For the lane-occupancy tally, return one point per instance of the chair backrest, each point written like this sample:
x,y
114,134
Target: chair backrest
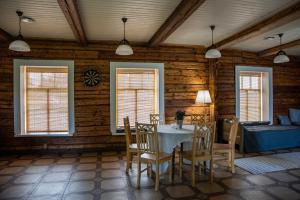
x,y
203,138
199,119
233,131
154,119
147,138
128,134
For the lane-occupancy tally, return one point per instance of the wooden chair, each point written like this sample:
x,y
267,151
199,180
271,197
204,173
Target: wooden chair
x,y
148,151
155,119
199,118
229,148
131,148
202,149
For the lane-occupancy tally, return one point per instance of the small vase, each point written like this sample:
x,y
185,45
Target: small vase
x,y
179,123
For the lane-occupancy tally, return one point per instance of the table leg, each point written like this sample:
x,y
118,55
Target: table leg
x,y
173,164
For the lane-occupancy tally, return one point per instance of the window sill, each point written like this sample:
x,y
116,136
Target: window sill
x,y
45,134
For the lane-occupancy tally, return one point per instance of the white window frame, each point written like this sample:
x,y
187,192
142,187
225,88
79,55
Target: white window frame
x,y
18,83
113,67
238,70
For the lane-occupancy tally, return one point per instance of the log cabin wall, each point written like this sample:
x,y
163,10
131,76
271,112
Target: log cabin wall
x,y
186,71
286,82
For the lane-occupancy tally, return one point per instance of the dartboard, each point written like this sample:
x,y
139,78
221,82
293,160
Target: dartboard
x,y
91,78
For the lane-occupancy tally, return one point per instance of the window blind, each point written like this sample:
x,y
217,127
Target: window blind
x,y
46,99
136,95
250,96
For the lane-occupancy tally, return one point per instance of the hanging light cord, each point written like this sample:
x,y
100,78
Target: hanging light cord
x,y
20,27
212,35
124,30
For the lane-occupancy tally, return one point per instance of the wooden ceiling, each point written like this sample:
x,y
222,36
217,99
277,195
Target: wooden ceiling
x,y
240,24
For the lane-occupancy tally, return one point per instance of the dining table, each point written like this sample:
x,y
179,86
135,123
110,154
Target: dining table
x,y
170,136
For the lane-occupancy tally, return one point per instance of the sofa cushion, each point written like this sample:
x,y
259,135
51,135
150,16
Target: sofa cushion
x,y
296,123
294,115
284,120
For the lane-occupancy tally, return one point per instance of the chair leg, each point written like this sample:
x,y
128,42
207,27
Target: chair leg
x,y
229,159
139,175
180,166
211,170
171,171
127,161
131,158
150,170
232,162
199,166
193,174
157,177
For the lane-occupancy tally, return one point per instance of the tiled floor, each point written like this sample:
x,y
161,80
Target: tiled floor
x,y
96,175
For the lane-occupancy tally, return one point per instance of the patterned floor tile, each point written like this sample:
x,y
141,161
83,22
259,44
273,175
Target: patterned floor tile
x,y
84,175
283,176
28,178
121,195
79,197
284,193
209,188
236,183
17,191
56,177
113,184
100,175
81,186
260,180
50,189
255,194
180,191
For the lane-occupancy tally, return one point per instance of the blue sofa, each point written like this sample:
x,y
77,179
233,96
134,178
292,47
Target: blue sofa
x,y
270,137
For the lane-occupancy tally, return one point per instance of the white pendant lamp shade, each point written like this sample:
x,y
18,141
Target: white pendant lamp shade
x,y
124,49
19,45
212,51
281,56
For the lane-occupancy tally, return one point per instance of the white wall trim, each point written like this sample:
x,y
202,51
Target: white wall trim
x,y
17,85
113,66
240,68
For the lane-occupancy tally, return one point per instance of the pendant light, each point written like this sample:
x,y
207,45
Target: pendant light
x,y
212,51
281,56
124,48
19,44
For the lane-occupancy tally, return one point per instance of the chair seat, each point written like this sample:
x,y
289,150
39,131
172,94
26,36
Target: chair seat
x,y
162,156
133,146
219,146
205,155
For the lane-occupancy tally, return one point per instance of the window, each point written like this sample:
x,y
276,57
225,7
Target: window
x,y
43,99
136,90
254,93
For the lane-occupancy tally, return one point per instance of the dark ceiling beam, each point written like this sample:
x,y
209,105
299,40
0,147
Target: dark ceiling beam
x,y
182,12
273,50
71,12
5,36
281,18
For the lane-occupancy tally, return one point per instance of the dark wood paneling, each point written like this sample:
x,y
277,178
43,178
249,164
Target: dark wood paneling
x,y
186,71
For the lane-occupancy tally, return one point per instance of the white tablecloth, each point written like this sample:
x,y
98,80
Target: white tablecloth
x,y
170,137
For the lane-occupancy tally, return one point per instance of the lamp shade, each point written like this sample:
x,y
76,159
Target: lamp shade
x,y
203,96
19,45
124,50
213,53
281,57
